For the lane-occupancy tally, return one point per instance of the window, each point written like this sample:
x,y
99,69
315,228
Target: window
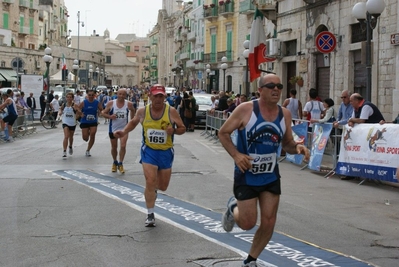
x,y
127,48
290,48
31,46
358,34
108,59
31,25
229,46
3,64
5,21
136,48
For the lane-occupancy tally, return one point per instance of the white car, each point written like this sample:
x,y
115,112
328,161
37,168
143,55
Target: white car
x,y
170,90
204,103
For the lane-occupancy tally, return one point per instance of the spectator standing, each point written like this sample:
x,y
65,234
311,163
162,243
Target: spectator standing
x,y
193,105
77,97
55,106
232,105
257,182
328,104
185,103
43,103
363,111
345,110
31,101
222,104
50,96
160,122
294,106
313,108
118,112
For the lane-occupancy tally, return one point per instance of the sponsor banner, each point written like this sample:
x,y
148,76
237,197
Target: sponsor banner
x,y
321,134
370,151
300,134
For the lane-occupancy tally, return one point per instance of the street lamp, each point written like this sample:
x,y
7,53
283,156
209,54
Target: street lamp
x,y
174,78
101,77
208,70
98,74
224,67
75,68
368,13
90,75
47,58
77,51
246,55
181,75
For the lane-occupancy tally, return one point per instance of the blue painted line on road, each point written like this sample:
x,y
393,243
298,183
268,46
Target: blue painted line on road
x,y
281,250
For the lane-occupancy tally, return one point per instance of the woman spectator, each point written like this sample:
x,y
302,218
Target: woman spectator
x,y
328,104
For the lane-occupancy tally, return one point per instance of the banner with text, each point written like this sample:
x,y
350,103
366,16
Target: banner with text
x,y
370,151
300,133
321,134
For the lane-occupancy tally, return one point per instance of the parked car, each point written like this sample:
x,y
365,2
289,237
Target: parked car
x,y
170,90
204,103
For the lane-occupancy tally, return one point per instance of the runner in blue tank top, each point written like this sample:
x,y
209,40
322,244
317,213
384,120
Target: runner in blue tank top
x,y
261,127
90,108
12,114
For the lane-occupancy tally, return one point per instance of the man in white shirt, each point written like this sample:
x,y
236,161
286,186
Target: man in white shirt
x,y
55,106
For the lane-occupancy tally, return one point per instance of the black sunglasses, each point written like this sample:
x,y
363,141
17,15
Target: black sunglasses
x,y
273,85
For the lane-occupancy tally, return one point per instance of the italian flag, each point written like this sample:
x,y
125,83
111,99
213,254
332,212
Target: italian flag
x,y
257,46
45,85
63,63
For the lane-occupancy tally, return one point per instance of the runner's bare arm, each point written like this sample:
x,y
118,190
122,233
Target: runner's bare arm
x,y
138,118
175,117
107,109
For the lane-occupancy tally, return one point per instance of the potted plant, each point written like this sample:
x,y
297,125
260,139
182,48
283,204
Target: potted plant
x,y
212,5
227,1
206,6
296,80
221,3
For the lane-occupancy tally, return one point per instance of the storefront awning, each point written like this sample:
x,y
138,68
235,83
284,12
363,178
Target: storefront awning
x,y
9,75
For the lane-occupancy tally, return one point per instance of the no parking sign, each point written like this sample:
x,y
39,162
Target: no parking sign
x,y
326,42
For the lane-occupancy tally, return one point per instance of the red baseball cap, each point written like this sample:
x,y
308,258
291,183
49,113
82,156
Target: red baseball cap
x,y
157,89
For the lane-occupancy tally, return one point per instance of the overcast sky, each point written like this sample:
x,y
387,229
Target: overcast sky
x,y
118,16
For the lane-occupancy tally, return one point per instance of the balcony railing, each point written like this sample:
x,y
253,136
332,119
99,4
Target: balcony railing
x,y
267,4
210,58
24,3
154,55
191,36
24,30
226,9
247,7
211,13
190,64
184,55
33,6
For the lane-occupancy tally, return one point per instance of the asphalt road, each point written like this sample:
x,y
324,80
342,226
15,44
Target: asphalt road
x,y
48,220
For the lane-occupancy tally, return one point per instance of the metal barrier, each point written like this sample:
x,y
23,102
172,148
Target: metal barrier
x,y
214,121
23,125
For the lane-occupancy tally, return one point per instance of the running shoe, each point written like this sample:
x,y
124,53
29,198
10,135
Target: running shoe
x,y
10,139
70,150
64,155
150,222
120,168
88,153
228,218
249,264
114,167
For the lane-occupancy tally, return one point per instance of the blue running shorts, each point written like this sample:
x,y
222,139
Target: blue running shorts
x,y
161,158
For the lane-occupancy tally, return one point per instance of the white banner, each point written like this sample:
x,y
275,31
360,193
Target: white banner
x,y
370,151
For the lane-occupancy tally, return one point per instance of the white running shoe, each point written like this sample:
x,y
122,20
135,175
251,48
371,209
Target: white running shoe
x,y
88,153
150,221
228,218
64,155
249,264
70,150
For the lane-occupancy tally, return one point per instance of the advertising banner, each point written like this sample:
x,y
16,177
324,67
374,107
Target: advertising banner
x,y
370,151
300,134
321,134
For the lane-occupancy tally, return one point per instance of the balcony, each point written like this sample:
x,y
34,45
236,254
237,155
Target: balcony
x,y
64,34
268,8
191,36
227,54
211,13
33,6
24,30
154,66
24,3
247,7
227,9
147,57
199,66
41,15
210,58
154,55
154,42
184,55
178,38
8,1
190,64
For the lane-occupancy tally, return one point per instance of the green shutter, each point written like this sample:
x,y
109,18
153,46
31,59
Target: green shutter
x,y
229,47
5,21
31,24
21,23
213,48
